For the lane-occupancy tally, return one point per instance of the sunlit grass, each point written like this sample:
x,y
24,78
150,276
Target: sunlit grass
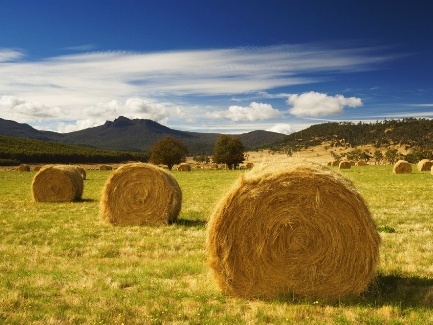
x,y
60,264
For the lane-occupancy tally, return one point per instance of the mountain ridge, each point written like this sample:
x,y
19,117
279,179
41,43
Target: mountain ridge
x,y
134,135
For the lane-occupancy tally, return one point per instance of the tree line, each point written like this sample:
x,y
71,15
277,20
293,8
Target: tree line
x,y
167,151
15,150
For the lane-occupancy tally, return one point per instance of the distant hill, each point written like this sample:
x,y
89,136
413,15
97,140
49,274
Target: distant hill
x,y
134,135
408,132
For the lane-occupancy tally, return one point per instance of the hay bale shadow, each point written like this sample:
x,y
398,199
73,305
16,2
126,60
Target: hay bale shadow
x,y
190,223
385,290
405,291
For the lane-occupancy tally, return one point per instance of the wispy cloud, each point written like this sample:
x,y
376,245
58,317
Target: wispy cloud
x,y
73,86
10,55
81,48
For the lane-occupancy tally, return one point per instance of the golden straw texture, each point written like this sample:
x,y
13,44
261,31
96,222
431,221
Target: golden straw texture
x,y
424,165
82,171
57,183
402,167
344,165
140,194
292,228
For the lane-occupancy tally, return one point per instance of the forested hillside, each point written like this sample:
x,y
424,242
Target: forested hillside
x,y
15,150
410,132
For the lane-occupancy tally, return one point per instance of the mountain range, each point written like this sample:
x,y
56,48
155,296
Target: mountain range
x,y
134,135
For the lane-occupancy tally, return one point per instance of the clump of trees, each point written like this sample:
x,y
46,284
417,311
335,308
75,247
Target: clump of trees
x,y
168,151
229,150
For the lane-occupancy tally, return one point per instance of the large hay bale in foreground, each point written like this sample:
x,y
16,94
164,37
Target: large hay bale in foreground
x,y
402,167
57,183
345,165
140,194
292,228
424,165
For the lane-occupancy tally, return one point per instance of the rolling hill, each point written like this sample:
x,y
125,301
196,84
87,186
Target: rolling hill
x,y
134,135
411,133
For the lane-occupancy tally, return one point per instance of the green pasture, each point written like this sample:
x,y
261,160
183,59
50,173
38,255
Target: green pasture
x,y
59,264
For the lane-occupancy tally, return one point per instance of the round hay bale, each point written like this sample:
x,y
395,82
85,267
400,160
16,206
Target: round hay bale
x,y
424,165
57,183
249,165
345,165
292,228
361,163
37,168
140,194
24,168
336,163
402,167
105,167
82,171
184,167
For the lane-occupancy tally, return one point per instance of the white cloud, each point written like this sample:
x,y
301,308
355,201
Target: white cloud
x,y
281,128
78,125
7,55
21,110
314,104
253,112
132,108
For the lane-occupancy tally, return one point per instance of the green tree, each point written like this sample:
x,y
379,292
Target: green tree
x,y
168,151
228,150
378,156
391,155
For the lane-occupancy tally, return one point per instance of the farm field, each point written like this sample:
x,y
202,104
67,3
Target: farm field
x,y
59,264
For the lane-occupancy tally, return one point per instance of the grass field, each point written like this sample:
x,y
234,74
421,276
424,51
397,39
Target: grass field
x,y
59,264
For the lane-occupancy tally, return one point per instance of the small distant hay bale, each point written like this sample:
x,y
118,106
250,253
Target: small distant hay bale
x,y
57,183
184,167
402,167
249,165
292,228
361,163
37,168
345,165
105,167
213,166
82,171
24,168
140,194
336,163
424,165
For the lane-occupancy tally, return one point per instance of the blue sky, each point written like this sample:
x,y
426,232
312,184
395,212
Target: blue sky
x,y
215,66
